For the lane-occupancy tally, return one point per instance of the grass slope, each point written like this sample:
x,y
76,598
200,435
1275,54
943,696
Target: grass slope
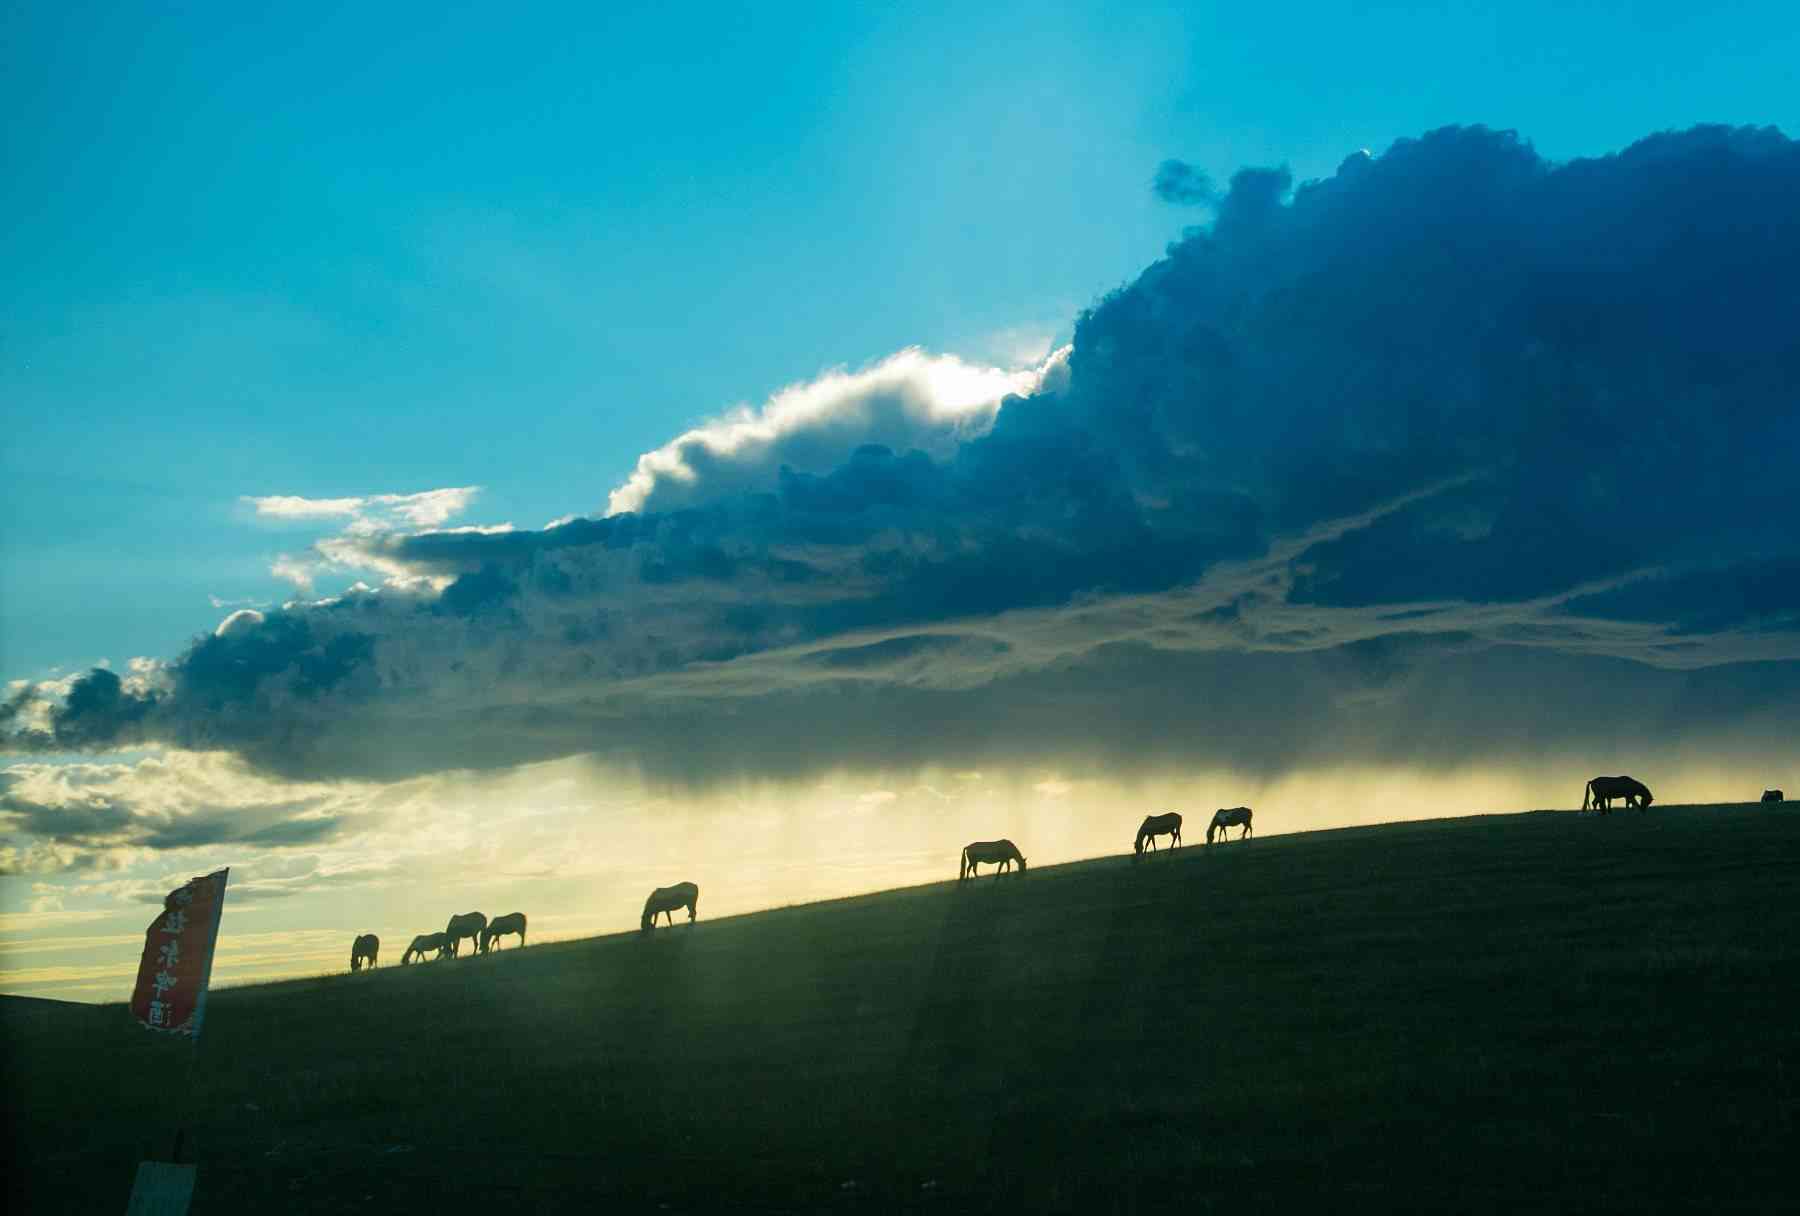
x,y
1538,1011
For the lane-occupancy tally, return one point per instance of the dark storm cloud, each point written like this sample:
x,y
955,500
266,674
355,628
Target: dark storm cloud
x,y
1179,182
1403,464
99,712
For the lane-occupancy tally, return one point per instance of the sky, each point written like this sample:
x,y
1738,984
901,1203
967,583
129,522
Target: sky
x,y
459,463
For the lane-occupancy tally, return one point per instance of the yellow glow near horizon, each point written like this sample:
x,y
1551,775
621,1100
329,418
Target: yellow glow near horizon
x,y
577,848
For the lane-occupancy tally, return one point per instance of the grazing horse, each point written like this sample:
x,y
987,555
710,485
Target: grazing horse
x,y
1158,825
1228,817
666,899
469,925
500,926
421,944
1773,796
1602,790
1001,852
364,949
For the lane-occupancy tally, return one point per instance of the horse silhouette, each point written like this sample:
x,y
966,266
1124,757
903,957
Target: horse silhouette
x,y
666,899
1602,790
500,926
469,925
1229,817
1003,853
423,943
1158,825
364,949
1773,796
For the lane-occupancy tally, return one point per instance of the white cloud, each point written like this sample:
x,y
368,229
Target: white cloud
x,y
370,512
910,400
365,553
428,508
292,506
477,530
369,519
241,621
297,571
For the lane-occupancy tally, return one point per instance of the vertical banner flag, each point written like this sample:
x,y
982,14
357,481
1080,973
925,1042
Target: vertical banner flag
x,y
178,956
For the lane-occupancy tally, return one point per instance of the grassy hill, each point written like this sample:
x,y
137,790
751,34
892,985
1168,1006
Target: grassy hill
x,y
1541,1010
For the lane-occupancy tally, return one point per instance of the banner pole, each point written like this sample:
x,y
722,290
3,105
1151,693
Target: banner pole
x,y
187,1100
189,1097
166,1188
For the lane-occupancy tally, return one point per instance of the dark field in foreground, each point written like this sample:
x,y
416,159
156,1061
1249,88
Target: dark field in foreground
x,y
1531,1011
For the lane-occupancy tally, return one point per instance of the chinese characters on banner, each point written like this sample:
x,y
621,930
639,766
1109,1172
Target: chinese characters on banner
x,y
178,956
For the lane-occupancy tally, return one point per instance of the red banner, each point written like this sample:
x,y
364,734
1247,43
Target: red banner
x,y
178,956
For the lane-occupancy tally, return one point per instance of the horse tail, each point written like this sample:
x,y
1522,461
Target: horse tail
x,y
1586,793
962,870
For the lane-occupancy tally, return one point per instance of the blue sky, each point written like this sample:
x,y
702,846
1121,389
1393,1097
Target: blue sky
x,y
1407,473
342,252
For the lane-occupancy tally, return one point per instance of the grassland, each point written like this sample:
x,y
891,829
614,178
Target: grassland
x,y
1538,1011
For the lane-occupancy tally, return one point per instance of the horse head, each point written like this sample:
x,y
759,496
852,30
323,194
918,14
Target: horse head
x,y
1021,859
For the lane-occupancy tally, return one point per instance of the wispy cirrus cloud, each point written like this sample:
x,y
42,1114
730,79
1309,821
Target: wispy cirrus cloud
x,y
424,509
291,506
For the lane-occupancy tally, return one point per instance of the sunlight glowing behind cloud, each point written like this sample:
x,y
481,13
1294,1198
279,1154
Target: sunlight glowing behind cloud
x,y
909,401
243,620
